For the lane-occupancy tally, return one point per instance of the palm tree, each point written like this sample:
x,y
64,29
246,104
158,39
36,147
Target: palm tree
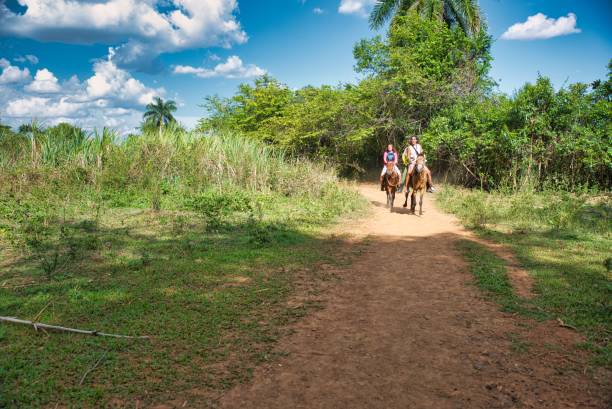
x,y
160,112
464,13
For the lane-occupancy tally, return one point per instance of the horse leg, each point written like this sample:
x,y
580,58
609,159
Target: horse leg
x,y
407,187
413,202
392,200
421,203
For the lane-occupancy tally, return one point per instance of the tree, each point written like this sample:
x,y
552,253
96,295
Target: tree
x,y
250,111
160,113
462,13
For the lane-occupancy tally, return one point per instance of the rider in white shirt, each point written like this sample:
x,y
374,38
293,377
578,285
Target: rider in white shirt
x,y
410,155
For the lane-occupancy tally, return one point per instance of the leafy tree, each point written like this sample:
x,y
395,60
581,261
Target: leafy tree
x,y
160,112
462,13
539,136
251,110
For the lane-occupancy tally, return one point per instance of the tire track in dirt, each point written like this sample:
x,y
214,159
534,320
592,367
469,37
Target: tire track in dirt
x,y
404,328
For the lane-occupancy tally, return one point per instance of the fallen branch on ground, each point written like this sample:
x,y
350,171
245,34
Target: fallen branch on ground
x,y
564,325
92,368
38,325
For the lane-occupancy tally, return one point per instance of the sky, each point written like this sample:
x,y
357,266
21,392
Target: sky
x,y
98,63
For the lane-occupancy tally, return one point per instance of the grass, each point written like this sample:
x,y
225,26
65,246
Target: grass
x,y
562,245
213,301
164,239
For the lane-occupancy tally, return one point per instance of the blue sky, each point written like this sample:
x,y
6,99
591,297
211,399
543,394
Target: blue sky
x,y
98,62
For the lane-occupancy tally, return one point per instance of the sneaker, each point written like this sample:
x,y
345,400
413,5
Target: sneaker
x,y
431,189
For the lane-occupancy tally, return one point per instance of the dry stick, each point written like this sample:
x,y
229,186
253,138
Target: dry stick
x,y
564,325
37,316
92,368
38,325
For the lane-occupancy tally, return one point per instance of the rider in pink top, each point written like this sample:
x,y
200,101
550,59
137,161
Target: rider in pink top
x,y
390,156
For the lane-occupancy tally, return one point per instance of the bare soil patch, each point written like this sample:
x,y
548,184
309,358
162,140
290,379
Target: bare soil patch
x,y
404,328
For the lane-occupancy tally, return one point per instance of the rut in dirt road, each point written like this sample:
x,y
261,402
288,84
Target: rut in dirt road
x,y
404,328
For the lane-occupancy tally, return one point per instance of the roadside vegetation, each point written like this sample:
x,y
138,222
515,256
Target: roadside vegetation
x,y
198,238
563,240
195,240
539,160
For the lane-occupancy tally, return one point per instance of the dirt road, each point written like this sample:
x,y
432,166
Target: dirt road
x,y
405,328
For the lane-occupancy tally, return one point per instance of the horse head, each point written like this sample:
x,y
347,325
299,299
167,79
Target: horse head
x,y
420,163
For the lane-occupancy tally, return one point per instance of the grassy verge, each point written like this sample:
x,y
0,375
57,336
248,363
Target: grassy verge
x,y
563,241
165,239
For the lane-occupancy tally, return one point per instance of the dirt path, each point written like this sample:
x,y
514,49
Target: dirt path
x,y
404,328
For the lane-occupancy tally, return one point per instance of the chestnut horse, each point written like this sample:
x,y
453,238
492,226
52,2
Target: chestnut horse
x,y
391,181
418,182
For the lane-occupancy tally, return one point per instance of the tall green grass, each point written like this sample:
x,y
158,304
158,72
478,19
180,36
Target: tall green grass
x,y
197,239
190,159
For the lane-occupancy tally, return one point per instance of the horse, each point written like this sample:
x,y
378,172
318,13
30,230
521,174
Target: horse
x,y
418,182
391,181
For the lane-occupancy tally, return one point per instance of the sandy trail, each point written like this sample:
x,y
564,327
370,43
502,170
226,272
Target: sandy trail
x,y
404,328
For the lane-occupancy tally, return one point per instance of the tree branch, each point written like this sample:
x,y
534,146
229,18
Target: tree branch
x,y
38,325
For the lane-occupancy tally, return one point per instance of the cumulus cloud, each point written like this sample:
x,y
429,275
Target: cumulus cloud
x,y
44,82
110,97
110,81
39,107
539,26
142,29
359,7
233,67
32,59
12,74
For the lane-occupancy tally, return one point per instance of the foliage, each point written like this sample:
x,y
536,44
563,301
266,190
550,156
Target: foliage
x,y
464,14
159,113
207,273
419,69
539,136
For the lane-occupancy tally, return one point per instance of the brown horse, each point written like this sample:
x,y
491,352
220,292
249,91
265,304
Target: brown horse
x,y
391,181
418,182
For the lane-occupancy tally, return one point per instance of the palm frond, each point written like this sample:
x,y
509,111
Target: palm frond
x,y
382,11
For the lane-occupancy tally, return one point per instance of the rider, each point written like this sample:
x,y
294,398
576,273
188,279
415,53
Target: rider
x,y
390,156
410,155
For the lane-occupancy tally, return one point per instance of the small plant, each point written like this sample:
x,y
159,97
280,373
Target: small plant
x,y
563,210
156,199
215,205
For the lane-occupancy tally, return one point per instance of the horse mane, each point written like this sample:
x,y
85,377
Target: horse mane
x,y
419,178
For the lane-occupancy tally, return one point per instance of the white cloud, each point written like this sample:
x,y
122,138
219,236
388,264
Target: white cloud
x,y
37,107
12,74
144,30
539,27
233,67
359,7
32,59
44,82
318,10
109,97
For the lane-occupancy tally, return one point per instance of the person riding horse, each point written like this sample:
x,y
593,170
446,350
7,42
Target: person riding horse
x,y
409,157
418,182
389,157
392,179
